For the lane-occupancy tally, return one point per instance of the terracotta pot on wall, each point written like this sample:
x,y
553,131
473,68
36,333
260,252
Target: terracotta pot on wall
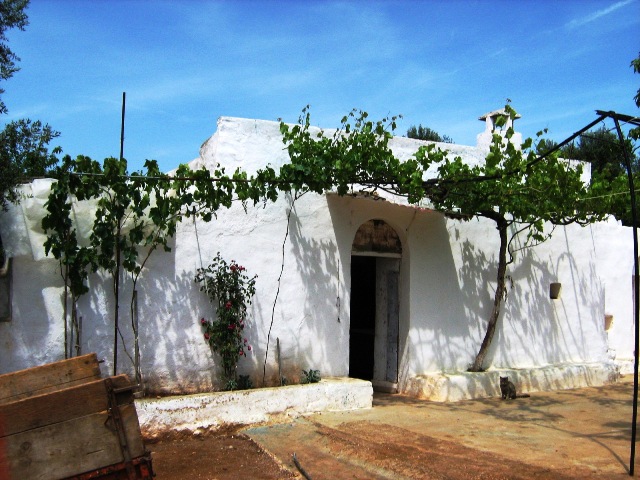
x,y
554,290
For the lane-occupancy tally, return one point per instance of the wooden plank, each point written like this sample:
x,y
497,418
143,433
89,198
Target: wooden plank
x,y
393,325
68,448
48,378
42,410
132,430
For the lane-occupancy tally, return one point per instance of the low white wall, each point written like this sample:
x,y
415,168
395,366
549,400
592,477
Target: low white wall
x,y
469,385
196,414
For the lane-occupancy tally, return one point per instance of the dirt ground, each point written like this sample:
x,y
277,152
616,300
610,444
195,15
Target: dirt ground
x,y
582,433
220,456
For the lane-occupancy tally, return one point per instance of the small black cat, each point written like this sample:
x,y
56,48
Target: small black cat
x,y
508,390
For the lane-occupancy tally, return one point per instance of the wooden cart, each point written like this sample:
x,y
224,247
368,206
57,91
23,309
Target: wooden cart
x,y
63,421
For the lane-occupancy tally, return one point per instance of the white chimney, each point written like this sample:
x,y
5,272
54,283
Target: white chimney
x,y
484,139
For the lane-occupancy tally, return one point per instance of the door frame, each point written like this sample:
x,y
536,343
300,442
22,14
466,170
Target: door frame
x,y
386,358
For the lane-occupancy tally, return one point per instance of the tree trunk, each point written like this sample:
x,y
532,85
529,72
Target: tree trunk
x,y
75,327
136,335
499,296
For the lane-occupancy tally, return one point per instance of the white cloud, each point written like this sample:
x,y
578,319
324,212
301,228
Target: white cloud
x,y
579,22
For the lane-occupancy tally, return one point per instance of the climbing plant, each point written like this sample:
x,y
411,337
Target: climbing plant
x,y
521,192
231,290
135,214
525,195
76,262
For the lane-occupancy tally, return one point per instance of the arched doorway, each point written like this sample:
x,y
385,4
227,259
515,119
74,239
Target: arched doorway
x,y
374,328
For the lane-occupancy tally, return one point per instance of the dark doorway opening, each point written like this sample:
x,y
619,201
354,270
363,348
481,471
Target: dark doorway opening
x,y
363,317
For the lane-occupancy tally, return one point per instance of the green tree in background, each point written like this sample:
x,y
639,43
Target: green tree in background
x,y
24,144
606,154
24,154
601,148
425,133
12,15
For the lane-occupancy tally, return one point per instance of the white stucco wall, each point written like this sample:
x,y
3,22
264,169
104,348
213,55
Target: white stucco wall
x,y
613,244
447,277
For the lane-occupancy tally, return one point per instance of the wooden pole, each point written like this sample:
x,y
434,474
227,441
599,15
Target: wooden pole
x,y
117,279
124,98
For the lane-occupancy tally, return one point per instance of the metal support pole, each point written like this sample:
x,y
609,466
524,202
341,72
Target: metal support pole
x,y
636,290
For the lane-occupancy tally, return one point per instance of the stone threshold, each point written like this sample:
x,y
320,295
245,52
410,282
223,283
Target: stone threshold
x,y
206,412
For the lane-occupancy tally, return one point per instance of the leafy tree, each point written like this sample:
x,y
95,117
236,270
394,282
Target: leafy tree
x,y
24,154
601,148
425,133
606,154
513,188
522,194
76,262
12,15
23,144
125,223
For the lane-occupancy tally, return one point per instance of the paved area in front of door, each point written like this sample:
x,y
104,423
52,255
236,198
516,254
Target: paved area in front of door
x,y
582,433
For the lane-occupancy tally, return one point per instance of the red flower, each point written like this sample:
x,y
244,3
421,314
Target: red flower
x,y
203,321
249,347
231,326
206,336
228,305
234,268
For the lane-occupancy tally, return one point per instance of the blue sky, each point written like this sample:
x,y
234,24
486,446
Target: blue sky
x,y
441,64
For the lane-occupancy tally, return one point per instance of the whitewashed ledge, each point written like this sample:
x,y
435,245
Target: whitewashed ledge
x,y
443,387
205,412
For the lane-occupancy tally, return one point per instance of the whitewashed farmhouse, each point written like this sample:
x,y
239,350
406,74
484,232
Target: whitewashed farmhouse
x,y
369,287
